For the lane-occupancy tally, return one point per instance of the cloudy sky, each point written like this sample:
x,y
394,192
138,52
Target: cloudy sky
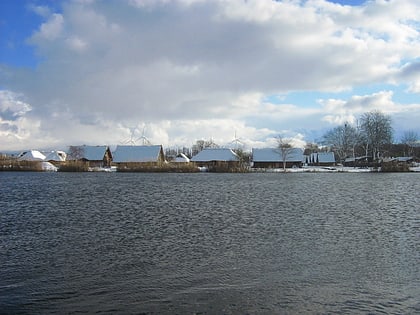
x,y
101,72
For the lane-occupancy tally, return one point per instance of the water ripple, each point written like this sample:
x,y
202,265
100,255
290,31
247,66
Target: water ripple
x,y
209,243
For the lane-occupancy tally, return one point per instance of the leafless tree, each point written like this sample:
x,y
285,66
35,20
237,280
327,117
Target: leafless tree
x,y
75,153
200,145
342,140
409,139
376,130
284,148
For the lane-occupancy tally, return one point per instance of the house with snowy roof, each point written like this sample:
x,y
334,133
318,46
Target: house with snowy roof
x,y
272,158
181,158
124,155
321,159
217,159
94,156
56,156
31,155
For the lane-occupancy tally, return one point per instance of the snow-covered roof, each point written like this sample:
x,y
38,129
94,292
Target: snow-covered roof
x,y
322,157
274,155
136,153
219,154
90,153
58,156
32,155
181,158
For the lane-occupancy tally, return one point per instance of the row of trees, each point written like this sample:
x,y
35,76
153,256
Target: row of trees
x,y
370,137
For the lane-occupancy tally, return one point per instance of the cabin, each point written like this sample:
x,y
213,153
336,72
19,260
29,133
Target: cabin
x,y
217,160
321,159
129,156
56,156
272,158
94,156
181,158
31,155
358,161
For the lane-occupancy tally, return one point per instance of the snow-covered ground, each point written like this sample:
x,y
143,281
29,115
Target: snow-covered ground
x,y
326,169
317,169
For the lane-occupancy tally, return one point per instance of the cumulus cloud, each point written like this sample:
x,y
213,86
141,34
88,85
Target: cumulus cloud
x,y
199,69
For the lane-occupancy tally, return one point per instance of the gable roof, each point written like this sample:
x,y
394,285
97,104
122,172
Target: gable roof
x,y
274,155
219,154
326,157
322,157
32,155
181,158
90,153
137,153
59,156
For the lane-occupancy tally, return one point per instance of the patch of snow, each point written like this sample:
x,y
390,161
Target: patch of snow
x,y
48,167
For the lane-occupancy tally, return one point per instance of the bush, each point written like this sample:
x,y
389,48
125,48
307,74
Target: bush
x,y
394,167
12,164
73,166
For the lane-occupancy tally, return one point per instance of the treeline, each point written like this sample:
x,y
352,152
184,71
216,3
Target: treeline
x,y
372,136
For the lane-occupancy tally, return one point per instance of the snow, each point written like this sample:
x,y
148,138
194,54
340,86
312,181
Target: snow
x,y
317,169
32,155
48,167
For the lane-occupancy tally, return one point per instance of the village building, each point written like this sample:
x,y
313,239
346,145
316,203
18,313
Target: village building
x,y
56,156
272,158
321,159
217,160
181,158
31,155
358,161
94,156
128,155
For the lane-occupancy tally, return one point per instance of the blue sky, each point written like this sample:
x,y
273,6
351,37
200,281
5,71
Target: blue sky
x,y
94,72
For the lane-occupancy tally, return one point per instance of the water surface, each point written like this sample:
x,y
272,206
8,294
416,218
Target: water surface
x,y
209,243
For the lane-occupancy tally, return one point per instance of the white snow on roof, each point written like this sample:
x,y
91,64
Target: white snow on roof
x,y
181,158
274,155
208,155
322,157
90,153
32,155
136,153
58,156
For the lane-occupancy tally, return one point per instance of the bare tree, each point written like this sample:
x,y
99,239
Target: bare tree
x,y
76,153
284,148
377,131
342,140
200,145
409,139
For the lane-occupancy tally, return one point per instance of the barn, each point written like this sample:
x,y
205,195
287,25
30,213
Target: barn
x,y
130,156
272,158
217,160
94,156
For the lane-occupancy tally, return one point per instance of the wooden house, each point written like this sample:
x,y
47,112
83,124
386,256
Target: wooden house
x,y
321,159
272,158
133,156
94,156
217,160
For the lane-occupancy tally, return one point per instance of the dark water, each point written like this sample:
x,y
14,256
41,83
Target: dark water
x,y
209,243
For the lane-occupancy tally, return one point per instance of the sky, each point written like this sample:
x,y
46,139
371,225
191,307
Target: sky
x,y
111,72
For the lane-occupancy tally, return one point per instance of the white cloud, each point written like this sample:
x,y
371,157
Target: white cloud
x,y
51,29
201,69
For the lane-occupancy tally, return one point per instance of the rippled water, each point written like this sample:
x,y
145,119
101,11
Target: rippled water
x,y
209,243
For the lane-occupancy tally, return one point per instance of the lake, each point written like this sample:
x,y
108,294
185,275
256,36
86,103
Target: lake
x,y
205,243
